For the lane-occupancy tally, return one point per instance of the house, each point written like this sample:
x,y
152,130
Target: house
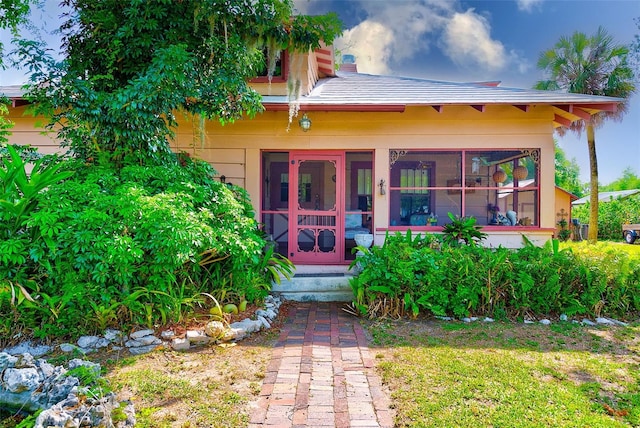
x,y
377,154
564,199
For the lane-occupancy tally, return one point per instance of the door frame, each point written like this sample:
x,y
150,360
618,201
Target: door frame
x,y
315,257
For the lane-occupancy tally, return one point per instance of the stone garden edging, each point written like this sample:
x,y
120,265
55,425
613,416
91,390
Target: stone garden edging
x,y
29,385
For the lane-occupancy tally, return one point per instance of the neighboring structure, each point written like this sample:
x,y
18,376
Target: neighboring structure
x,y
607,196
384,154
564,199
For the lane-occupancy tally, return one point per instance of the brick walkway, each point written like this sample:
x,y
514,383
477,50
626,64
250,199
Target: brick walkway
x,y
321,374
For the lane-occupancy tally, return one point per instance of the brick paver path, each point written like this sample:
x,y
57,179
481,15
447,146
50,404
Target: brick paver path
x,y
321,374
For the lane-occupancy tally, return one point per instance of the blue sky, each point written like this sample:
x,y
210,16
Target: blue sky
x,y
459,40
489,40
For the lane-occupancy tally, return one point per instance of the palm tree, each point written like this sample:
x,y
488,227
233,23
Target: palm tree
x,y
595,66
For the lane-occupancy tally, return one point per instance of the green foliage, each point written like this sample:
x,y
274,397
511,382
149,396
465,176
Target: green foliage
x,y
567,172
19,193
5,124
564,233
131,66
133,245
14,13
409,275
611,216
628,181
462,229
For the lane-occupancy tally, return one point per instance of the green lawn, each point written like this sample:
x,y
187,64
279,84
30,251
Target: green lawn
x,y
509,375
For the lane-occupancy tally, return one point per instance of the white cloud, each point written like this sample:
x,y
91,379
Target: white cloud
x,y
371,58
528,5
394,31
397,32
467,41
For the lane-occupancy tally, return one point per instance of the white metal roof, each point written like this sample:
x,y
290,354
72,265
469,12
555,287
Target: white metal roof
x,y
358,88
607,196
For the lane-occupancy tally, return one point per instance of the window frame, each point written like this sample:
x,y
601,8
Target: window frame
x,y
475,185
284,67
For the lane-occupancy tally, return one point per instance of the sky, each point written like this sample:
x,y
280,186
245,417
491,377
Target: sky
x,y
464,41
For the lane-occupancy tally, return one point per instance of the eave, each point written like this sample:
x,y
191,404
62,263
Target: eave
x,y
564,114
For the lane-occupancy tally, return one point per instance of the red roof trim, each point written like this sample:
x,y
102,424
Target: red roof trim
x,y
562,121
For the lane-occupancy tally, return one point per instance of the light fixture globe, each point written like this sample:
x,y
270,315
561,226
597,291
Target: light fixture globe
x,y
499,176
305,123
520,172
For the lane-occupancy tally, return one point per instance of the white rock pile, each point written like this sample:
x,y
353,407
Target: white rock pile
x,y
31,385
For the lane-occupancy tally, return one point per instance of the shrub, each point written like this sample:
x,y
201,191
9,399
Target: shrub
x,y
409,275
611,216
136,245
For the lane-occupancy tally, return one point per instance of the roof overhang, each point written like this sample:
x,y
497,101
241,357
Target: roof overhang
x,y
566,114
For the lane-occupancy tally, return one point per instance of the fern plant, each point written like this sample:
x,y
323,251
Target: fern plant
x,y
462,229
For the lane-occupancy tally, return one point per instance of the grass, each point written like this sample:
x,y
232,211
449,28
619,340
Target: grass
x,y
509,375
212,386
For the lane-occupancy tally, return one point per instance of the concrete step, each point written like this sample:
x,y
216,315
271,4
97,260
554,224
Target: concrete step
x,y
321,286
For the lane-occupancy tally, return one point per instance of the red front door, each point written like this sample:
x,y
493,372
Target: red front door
x,y
316,193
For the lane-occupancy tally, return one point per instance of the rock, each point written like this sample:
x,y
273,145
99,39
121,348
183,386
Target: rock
x,y
619,323
466,319
197,337
167,334
28,348
264,322
102,343
444,318
545,321
148,340
7,360
113,335
132,343
609,321
249,326
77,362
564,317
88,341
529,322
33,385
45,368
487,319
180,344
67,347
21,380
24,361
234,334
141,333
588,322
139,350
214,329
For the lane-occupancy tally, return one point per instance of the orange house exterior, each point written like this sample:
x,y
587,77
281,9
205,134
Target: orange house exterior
x,y
384,154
